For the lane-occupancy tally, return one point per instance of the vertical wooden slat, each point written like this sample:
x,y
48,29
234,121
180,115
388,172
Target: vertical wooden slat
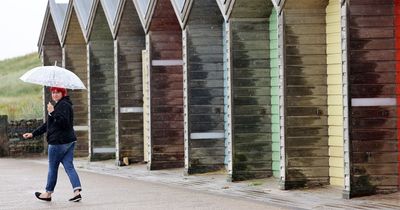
x,y
227,46
345,99
146,102
282,97
186,96
335,112
89,88
118,143
275,116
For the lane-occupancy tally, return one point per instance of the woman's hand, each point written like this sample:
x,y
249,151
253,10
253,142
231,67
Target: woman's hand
x,y
50,108
27,135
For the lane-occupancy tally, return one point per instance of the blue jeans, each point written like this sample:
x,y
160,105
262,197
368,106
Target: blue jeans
x,y
62,153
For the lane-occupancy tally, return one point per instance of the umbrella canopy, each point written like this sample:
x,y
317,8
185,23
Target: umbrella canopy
x,y
53,76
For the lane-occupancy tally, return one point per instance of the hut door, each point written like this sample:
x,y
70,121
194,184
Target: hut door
x,y
146,103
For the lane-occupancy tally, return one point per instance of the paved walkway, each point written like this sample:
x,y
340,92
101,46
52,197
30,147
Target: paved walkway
x,y
263,191
19,179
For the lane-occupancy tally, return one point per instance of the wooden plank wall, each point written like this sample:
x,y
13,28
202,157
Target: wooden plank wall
x,y
76,61
166,89
306,94
102,96
251,90
335,104
275,116
372,76
205,87
131,42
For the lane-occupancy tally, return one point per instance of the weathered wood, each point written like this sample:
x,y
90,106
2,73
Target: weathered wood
x,y
76,61
130,43
166,89
251,110
204,77
305,47
102,96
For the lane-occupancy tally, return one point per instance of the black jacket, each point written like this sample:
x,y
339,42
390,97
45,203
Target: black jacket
x,y
59,125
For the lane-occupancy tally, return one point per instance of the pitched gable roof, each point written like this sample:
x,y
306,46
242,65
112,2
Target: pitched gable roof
x,y
110,10
226,6
82,10
182,9
145,10
57,13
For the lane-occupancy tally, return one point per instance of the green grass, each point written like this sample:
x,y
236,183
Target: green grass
x,y
19,100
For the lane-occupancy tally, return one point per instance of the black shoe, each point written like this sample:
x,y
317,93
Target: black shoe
x,y
37,194
76,198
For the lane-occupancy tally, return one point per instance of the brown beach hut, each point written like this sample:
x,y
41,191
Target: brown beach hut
x,y
163,84
372,124
129,42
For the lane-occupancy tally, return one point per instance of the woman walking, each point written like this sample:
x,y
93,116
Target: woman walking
x,y
61,143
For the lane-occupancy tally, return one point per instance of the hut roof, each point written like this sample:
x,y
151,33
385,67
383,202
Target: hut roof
x,y
226,6
110,9
82,10
182,10
57,12
145,10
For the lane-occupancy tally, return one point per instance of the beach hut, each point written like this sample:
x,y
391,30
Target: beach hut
x,y
49,44
251,74
129,42
372,126
312,148
202,25
75,59
101,81
51,34
163,84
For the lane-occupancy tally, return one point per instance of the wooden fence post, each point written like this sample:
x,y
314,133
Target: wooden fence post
x,y
3,135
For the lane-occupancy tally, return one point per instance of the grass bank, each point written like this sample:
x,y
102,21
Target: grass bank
x,y
19,100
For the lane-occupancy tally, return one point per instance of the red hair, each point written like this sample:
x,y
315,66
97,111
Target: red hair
x,y
63,91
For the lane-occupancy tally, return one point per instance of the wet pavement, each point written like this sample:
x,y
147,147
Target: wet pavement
x,y
107,186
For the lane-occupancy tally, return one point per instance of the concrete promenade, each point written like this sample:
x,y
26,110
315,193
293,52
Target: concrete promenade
x,y
107,186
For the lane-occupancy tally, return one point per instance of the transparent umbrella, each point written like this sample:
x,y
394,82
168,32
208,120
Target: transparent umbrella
x,y
53,76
